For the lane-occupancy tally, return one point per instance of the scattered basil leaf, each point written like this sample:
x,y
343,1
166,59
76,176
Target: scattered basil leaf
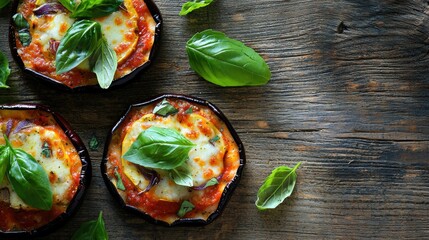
x,y
104,63
96,8
3,3
225,61
193,5
185,208
91,230
28,179
182,176
46,150
211,182
4,162
4,70
93,143
164,109
189,110
24,37
20,21
276,187
69,4
214,139
161,148
119,183
79,42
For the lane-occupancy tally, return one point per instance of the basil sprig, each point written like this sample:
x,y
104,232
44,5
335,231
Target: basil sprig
x,y
225,61
27,177
277,187
95,8
4,70
193,5
161,148
94,229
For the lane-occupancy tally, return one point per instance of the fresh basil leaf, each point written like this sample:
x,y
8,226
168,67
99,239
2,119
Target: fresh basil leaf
x,y
119,183
93,143
182,176
185,208
157,147
4,161
20,21
24,37
189,110
211,182
225,61
79,42
3,3
104,63
4,70
96,8
164,108
69,4
91,230
46,150
194,5
214,139
276,187
29,180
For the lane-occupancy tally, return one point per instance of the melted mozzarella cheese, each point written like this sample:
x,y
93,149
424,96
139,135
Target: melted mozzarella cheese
x,y
56,165
205,159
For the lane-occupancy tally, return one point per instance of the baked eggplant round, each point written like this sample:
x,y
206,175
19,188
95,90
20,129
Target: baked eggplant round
x,y
174,160
63,158
64,47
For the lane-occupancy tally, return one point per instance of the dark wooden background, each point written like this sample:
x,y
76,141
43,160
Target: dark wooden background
x,y
351,101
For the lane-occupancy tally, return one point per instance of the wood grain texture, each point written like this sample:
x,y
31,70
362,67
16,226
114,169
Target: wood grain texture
x,y
350,102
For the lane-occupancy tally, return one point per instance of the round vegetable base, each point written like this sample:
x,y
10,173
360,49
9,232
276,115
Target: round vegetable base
x,y
156,14
228,190
84,180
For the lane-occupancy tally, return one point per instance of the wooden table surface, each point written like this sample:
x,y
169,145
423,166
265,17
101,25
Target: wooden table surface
x,y
350,100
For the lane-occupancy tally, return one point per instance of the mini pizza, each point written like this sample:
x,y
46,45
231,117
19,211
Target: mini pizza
x,y
174,159
44,170
83,42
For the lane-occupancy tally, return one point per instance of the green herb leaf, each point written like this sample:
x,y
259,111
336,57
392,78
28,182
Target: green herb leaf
x,y
194,5
28,179
276,187
185,208
20,21
80,41
91,230
4,162
69,4
214,139
189,110
4,70
24,37
182,176
119,183
225,61
211,182
104,63
164,108
3,3
46,150
157,147
93,143
96,8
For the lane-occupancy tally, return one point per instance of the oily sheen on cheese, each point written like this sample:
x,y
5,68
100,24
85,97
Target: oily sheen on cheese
x,y
208,160
128,31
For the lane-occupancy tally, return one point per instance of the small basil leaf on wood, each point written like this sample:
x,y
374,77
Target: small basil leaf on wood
x,y
4,70
193,5
164,108
225,61
104,63
79,42
20,21
182,176
4,162
119,183
90,230
93,143
95,8
28,179
277,187
69,4
24,37
161,148
3,3
185,208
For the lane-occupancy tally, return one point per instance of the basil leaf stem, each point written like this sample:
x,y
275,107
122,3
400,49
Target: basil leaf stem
x,y
4,70
94,229
161,148
185,208
277,187
164,108
225,61
190,6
